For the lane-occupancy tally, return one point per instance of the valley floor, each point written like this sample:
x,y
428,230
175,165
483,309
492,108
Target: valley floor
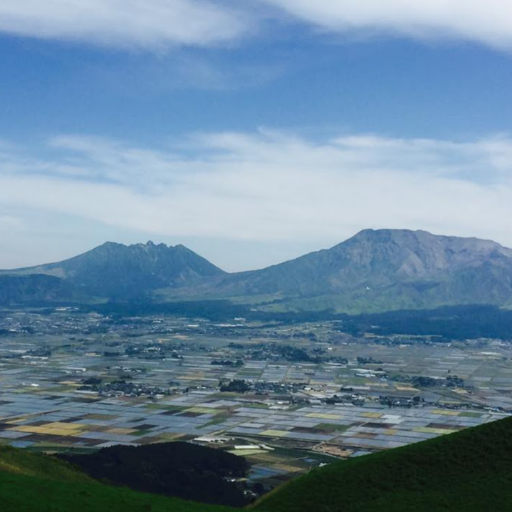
x,y
168,373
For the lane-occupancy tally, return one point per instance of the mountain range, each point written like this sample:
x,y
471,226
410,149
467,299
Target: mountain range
x,y
376,270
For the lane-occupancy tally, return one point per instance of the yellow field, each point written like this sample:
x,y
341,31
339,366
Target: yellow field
x,y
264,456
202,410
245,453
53,429
323,416
289,469
274,433
170,437
17,420
375,415
438,431
121,431
406,388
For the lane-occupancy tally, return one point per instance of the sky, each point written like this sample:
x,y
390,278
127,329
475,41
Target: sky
x,y
252,132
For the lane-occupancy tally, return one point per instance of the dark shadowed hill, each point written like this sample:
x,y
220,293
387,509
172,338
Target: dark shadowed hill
x,y
183,470
40,483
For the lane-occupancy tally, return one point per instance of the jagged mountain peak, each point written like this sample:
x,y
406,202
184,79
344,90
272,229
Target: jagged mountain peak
x,y
123,271
148,245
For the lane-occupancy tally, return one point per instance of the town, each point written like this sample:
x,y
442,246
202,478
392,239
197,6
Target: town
x,y
288,397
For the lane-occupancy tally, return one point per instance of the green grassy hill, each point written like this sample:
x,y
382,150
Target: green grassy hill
x,y
39,483
470,471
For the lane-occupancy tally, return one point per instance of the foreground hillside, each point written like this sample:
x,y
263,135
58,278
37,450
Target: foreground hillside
x,y
470,471
38,483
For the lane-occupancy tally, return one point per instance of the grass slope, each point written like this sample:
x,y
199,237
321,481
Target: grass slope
x,y
19,462
38,483
468,471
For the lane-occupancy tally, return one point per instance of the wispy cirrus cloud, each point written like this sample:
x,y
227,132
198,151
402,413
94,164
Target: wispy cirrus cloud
x,y
161,24
484,21
267,187
148,24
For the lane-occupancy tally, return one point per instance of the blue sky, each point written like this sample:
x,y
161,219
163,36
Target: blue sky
x,y
252,134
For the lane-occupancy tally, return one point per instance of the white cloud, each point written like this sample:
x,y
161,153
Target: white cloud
x,y
484,21
159,24
10,225
151,24
267,187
